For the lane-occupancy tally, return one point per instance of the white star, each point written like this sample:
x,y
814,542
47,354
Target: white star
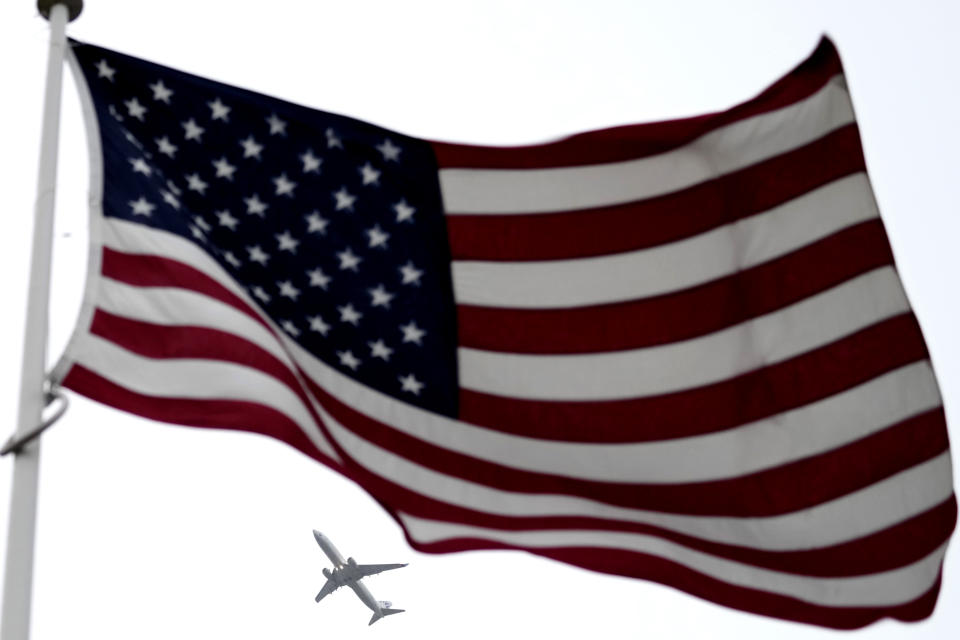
x,y
200,222
411,384
410,274
232,259
224,168
348,260
378,237
317,324
251,148
277,126
318,278
141,207
105,71
311,163
258,255
287,242
284,186
344,199
132,139
349,314
380,350
226,220
404,211
347,359
166,148
161,92
219,110
115,114
194,183
135,109
290,328
174,188
192,131
287,290
317,223
261,294
333,140
197,233
140,166
412,333
370,175
170,199
380,297
389,150
255,206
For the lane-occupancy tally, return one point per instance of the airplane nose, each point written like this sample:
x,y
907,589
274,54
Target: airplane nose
x,y
317,535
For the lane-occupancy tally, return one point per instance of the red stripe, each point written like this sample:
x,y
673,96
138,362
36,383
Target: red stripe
x,y
769,492
153,271
167,342
891,548
681,315
637,141
656,569
850,467
792,383
163,341
237,415
241,415
634,565
784,489
896,546
647,223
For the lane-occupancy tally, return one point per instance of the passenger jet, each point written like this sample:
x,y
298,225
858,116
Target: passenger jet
x,y
348,573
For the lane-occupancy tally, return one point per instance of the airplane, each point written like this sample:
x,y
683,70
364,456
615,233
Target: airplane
x,y
349,573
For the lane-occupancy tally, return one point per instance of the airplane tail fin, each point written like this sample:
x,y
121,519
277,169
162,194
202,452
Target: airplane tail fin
x,y
383,613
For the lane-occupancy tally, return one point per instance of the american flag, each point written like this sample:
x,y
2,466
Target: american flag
x,y
675,351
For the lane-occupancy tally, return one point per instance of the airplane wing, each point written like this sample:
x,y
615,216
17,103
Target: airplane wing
x,y
328,588
373,569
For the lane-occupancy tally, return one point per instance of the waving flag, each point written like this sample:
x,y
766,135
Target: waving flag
x,y
675,351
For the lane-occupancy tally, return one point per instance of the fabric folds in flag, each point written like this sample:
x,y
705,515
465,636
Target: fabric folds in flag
x,y
676,351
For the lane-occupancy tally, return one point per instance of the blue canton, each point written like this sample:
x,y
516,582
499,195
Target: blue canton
x,y
334,226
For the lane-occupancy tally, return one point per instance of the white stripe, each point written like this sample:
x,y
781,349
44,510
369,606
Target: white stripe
x,y
130,237
888,588
775,337
488,191
807,430
876,507
177,378
171,306
767,443
669,267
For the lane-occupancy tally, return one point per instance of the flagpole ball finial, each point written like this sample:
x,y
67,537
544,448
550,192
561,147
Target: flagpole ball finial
x,y
74,7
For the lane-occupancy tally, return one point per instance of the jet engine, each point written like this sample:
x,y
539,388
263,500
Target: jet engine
x,y
351,562
327,574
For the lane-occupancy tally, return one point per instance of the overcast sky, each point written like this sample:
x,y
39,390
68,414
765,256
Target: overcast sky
x,y
152,531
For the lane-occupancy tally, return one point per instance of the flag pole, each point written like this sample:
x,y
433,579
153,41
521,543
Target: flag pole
x,y
18,577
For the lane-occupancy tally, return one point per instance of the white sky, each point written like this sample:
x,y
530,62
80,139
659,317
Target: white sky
x,y
152,531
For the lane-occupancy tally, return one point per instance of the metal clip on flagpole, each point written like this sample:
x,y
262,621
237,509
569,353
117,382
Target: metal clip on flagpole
x,y
18,441
18,578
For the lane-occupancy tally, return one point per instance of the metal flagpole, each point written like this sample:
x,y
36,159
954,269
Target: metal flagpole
x,y
18,579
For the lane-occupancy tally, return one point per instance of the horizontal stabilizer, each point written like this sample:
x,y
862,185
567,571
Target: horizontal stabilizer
x,y
382,613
